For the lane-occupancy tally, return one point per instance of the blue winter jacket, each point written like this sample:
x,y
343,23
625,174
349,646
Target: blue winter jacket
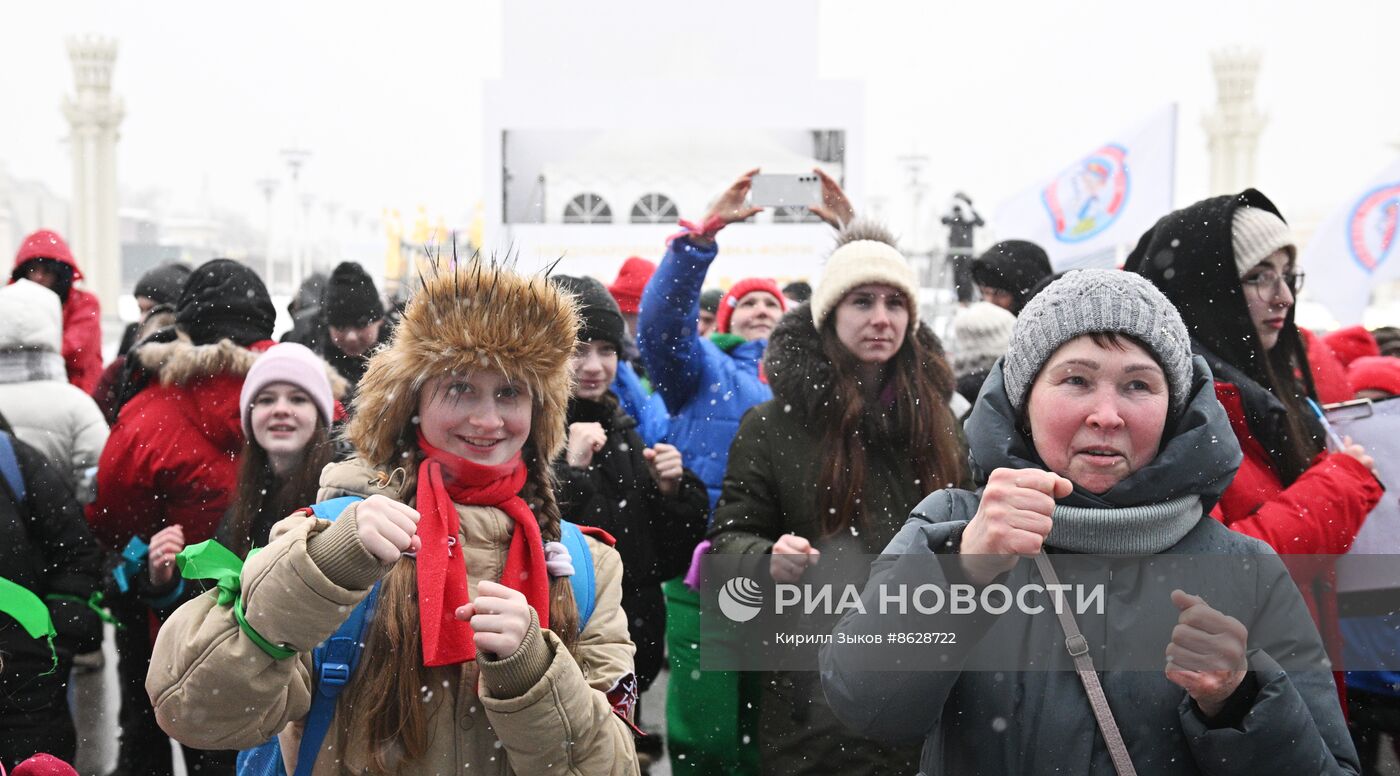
x,y
706,389
648,409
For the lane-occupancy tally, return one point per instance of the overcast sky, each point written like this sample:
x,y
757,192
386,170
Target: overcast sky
x,y
997,94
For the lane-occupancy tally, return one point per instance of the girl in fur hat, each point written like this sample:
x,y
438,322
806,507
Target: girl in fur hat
x,y
858,430
474,656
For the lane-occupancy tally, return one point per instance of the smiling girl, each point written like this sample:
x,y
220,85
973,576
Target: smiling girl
x,y
288,405
476,654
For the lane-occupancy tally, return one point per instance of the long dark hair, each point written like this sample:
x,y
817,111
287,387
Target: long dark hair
x,y
919,425
262,496
1189,255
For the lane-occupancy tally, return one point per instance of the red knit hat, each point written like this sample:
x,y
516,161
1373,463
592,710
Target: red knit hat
x,y
631,282
43,765
1375,373
1351,343
740,290
47,244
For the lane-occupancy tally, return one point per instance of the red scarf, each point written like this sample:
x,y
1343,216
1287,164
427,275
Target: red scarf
x,y
445,479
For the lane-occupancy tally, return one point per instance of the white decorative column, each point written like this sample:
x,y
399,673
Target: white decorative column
x,y
93,116
1234,125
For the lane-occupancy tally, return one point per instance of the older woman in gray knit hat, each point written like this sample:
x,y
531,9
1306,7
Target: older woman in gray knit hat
x,y
1100,435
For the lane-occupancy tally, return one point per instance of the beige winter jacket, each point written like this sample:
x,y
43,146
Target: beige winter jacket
x,y
540,710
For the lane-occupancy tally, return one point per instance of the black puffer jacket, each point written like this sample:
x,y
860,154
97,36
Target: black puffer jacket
x,y
45,547
655,534
770,485
770,489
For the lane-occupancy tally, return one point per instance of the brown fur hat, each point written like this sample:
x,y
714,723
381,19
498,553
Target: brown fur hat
x,y
470,314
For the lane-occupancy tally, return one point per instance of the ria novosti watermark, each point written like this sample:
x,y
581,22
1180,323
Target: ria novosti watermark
x,y
741,599
922,610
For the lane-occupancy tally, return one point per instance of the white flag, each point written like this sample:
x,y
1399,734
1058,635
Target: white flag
x,y
1355,249
1094,210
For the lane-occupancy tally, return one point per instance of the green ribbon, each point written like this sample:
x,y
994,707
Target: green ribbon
x,y
93,602
31,613
726,341
213,561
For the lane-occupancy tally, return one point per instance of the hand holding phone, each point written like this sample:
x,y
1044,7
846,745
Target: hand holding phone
x,y
800,190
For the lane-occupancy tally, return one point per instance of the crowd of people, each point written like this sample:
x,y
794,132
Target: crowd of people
x,y
466,531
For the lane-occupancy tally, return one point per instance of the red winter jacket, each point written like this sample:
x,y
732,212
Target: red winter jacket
x,y
172,456
82,339
1319,514
82,315
1328,372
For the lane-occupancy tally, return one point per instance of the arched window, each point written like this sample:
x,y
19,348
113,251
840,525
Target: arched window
x,y
587,208
654,209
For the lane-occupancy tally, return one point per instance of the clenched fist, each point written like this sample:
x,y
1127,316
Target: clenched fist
x,y
1206,656
387,528
585,439
664,462
499,617
1012,520
160,558
791,556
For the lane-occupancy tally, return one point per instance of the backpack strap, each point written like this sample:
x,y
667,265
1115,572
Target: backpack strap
x,y
583,582
9,467
330,510
333,661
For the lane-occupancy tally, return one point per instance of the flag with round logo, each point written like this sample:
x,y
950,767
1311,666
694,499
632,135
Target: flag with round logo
x,y
1092,211
1355,249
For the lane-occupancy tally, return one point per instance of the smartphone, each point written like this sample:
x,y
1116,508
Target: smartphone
x,y
803,190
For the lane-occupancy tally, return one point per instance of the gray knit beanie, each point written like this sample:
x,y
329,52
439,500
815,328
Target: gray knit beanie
x,y
1097,300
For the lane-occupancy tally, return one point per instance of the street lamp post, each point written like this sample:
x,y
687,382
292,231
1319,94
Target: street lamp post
x,y
296,158
268,187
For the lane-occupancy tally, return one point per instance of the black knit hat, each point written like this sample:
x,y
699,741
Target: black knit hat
x,y
163,284
1014,266
598,311
709,299
352,300
225,300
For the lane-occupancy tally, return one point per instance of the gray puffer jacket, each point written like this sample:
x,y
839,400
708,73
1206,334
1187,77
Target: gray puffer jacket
x,y
1001,722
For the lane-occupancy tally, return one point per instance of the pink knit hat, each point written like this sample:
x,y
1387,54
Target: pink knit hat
x,y
288,362
44,765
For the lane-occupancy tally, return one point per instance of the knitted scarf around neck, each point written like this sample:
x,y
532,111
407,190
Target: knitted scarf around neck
x,y
1140,530
445,480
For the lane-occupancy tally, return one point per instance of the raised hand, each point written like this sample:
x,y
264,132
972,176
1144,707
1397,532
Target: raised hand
x,y
792,554
387,528
585,439
499,617
666,467
160,558
835,209
1206,656
1012,520
731,206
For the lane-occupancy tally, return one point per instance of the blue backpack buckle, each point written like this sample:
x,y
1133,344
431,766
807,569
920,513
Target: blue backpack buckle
x,y
336,674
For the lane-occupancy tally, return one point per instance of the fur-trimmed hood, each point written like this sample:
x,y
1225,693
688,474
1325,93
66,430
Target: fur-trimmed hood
x,y
470,314
181,362
804,378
